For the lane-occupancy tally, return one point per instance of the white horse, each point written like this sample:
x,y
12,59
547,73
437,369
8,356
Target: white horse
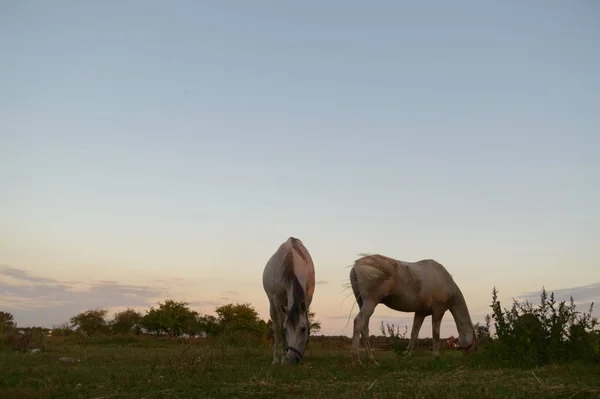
x,y
289,281
424,287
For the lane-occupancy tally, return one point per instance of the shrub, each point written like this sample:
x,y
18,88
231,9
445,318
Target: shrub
x,y
549,333
483,332
398,341
23,340
62,330
7,323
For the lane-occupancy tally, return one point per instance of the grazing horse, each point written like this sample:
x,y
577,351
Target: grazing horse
x,y
289,281
424,287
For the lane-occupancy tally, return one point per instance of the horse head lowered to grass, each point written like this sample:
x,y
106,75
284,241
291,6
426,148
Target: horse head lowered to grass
x,y
289,282
424,287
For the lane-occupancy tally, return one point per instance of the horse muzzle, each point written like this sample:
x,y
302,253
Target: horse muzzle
x,y
294,356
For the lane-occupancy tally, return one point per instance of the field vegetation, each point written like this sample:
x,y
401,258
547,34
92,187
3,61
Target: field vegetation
x,y
548,350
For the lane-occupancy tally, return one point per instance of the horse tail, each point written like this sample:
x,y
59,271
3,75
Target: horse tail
x,y
354,285
367,273
372,270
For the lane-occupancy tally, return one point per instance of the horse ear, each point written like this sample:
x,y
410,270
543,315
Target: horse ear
x,y
283,308
303,306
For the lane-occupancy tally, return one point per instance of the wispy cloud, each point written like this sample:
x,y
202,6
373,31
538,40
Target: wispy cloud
x,y
176,281
43,301
205,303
37,300
584,293
23,275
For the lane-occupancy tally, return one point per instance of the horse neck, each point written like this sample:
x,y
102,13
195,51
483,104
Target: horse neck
x,y
462,319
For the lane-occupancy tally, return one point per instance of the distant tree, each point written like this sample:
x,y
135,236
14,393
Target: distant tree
x,y
7,322
171,317
263,330
483,333
208,325
313,325
233,318
62,330
126,321
152,322
90,322
270,329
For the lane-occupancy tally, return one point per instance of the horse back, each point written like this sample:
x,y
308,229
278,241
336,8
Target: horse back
x,y
304,267
430,280
291,258
404,286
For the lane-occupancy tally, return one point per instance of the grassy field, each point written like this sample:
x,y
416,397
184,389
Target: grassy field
x,y
200,370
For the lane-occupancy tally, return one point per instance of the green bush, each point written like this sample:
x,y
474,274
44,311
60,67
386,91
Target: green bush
x,y
398,340
549,333
62,330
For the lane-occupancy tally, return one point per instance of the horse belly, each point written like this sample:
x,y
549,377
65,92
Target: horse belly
x,y
406,302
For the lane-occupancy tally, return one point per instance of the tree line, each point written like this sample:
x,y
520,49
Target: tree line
x,y
170,318
524,334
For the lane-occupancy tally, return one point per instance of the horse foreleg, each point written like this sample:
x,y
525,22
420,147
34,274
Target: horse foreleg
x,y
436,323
360,321
414,334
283,345
275,319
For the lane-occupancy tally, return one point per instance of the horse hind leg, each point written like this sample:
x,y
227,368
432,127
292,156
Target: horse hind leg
x,y
360,322
364,331
367,344
359,301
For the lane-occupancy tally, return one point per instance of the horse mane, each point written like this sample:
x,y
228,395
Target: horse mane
x,y
297,245
289,277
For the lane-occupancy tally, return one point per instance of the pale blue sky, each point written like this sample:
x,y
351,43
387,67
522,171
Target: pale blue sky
x,y
143,142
